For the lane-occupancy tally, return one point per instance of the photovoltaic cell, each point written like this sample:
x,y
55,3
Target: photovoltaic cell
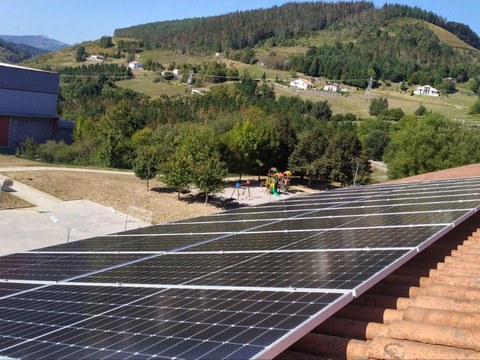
x,y
185,324
329,270
194,228
377,220
12,288
53,267
314,240
132,243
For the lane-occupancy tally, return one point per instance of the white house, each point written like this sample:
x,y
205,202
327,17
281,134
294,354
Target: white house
x,y
135,65
334,87
303,84
426,90
97,57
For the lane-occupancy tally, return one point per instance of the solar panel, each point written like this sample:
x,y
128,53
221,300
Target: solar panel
x,y
290,270
194,324
131,243
56,267
241,284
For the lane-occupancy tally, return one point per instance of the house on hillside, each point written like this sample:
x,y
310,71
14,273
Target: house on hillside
x,y
333,87
96,57
28,107
426,90
303,84
135,64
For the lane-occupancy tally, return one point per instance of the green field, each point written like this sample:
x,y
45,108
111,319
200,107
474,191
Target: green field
x,y
455,106
147,86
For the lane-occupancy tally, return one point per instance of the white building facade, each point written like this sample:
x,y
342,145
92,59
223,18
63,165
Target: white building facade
x,y
426,90
302,84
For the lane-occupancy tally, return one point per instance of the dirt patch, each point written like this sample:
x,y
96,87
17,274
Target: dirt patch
x,y
11,160
117,191
10,201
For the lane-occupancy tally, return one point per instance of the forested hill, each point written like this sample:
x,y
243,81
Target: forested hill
x,y
15,53
280,25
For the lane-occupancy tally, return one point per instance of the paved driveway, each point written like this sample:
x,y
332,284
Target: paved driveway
x,y
53,221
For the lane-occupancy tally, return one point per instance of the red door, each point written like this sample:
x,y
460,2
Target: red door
x,y
4,127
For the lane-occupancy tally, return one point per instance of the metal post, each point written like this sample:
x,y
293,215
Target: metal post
x,y
68,234
356,172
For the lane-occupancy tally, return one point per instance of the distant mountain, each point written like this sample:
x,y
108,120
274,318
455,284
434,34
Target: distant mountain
x,y
37,41
14,53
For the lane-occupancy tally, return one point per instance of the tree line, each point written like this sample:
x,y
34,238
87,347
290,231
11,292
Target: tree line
x,y
414,54
243,128
279,25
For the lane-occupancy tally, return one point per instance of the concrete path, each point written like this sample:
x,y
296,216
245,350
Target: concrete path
x,y
56,168
53,221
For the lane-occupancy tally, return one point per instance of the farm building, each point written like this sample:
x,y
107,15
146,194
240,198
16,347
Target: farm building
x,y
334,87
426,90
97,57
135,64
303,84
28,107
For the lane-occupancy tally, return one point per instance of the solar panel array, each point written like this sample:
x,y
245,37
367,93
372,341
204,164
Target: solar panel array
x,y
240,284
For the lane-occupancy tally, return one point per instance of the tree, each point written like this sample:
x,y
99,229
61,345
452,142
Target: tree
x,y
432,144
475,109
394,114
378,106
310,148
321,110
81,54
195,161
145,164
343,156
422,110
106,41
254,140
375,143
209,173
176,171
287,138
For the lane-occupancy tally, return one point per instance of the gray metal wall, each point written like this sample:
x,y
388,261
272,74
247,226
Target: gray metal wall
x,y
15,102
28,79
38,129
28,92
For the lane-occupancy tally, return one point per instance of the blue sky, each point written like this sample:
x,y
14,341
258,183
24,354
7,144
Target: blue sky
x,y
74,21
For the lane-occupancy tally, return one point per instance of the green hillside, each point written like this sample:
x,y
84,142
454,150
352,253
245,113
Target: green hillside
x,y
280,25
348,42
14,53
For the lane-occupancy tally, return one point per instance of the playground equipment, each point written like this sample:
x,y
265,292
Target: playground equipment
x,y
238,187
277,182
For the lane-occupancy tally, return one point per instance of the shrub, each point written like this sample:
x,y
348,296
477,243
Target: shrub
x,y
29,148
422,110
58,152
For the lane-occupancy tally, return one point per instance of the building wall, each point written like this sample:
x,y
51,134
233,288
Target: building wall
x,y
41,130
17,102
28,105
15,78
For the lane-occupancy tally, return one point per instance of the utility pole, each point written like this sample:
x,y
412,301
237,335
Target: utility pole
x,y
189,81
369,90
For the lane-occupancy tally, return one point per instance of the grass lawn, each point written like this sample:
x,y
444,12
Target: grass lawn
x,y
454,106
146,85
